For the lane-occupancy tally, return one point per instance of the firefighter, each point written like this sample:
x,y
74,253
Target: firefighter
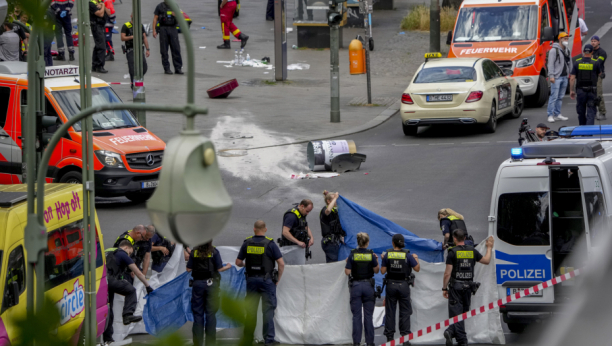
x,y
226,13
458,284
260,254
164,25
63,15
108,29
118,263
332,234
583,85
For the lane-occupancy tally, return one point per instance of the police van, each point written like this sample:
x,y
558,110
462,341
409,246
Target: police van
x,y
548,210
127,156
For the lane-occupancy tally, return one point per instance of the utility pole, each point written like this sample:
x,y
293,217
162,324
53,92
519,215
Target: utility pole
x,y
334,19
366,7
434,26
280,40
139,89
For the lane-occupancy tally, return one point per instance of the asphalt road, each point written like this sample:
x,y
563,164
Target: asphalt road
x,y
405,179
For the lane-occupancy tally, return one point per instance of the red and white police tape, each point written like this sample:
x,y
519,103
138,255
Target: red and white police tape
x,y
138,84
464,316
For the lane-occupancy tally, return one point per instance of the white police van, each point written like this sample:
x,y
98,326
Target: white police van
x,y
549,201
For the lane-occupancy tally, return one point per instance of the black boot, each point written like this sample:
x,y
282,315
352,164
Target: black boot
x,y
60,57
243,38
71,56
225,45
110,57
127,319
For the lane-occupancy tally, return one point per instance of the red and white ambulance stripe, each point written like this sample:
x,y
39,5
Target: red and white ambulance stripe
x,y
484,308
138,84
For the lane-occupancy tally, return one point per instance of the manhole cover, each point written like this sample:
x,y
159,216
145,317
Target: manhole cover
x,y
232,152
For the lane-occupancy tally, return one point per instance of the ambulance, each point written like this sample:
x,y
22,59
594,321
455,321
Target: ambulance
x,y
64,280
549,210
127,159
517,35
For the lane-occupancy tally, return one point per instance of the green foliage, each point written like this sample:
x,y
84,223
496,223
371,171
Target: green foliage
x,y
418,19
36,11
40,328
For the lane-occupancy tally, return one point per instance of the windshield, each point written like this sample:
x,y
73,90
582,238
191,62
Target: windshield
x,y
70,102
506,23
447,74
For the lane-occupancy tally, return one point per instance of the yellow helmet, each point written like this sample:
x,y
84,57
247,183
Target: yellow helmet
x,y
562,35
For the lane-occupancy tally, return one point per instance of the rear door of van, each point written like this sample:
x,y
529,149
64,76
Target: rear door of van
x,y
523,256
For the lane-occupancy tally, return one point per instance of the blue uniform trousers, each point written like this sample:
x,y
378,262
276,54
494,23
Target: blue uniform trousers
x,y
331,250
204,302
266,289
398,292
362,297
64,23
585,106
459,300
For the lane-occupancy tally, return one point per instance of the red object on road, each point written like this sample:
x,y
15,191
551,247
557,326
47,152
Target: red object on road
x,y
222,90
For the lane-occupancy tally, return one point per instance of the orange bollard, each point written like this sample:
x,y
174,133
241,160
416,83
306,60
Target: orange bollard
x,y
357,57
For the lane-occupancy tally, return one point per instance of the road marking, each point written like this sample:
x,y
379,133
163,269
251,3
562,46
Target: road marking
x,y
372,146
603,30
506,141
442,144
404,145
475,143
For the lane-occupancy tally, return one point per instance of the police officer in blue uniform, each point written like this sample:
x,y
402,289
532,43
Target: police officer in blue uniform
x,y
332,234
205,264
118,264
451,220
458,284
583,85
259,254
361,265
398,264
164,25
135,237
295,226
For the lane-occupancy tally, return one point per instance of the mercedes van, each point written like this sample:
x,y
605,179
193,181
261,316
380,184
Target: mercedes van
x,y
127,159
517,35
64,280
550,200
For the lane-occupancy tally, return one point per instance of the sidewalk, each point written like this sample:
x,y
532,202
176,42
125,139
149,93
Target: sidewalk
x,y
271,112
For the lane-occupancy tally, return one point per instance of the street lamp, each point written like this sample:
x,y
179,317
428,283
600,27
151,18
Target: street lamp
x,y
190,205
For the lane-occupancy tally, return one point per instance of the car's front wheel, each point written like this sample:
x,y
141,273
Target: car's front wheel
x,y
72,178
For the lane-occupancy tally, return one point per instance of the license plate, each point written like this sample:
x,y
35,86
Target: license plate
x,y
514,290
439,98
149,184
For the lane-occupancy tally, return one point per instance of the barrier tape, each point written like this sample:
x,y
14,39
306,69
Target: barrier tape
x,y
464,316
137,84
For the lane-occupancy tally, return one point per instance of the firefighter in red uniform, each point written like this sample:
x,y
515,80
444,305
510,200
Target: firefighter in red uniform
x,y
228,7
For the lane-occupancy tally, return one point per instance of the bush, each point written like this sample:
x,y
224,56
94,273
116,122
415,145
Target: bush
x,y
418,19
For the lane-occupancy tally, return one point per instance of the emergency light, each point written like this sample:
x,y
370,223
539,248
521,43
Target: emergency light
x,y
586,130
516,153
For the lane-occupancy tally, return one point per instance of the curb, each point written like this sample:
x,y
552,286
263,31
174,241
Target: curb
x,y
377,121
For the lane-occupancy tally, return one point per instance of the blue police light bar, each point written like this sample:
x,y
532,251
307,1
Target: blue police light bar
x,y
586,130
516,153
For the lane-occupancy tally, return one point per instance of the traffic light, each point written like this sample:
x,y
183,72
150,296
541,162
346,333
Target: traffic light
x,y
334,18
190,205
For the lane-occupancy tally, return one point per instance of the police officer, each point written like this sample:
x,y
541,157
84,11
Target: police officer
x,y
134,236
600,55
127,36
332,234
118,263
161,251
400,265
295,226
451,220
63,13
458,284
142,250
583,83
260,252
361,265
205,264
98,18
164,25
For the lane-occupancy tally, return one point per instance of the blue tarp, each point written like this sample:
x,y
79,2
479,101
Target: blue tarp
x,y
355,218
168,308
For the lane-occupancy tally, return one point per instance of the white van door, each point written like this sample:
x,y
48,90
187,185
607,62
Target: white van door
x,y
523,256
594,204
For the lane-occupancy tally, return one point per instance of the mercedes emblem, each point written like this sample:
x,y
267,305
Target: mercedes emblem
x,y
150,160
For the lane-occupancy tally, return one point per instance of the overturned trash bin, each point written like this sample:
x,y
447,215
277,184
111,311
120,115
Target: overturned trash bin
x,y
337,156
222,90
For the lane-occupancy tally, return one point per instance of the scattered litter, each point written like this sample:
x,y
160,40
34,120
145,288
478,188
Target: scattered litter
x,y
266,72
115,31
402,33
75,20
203,47
115,27
222,90
240,137
298,66
366,173
289,30
248,188
265,60
251,63
313,175
126,76
203,27
294,47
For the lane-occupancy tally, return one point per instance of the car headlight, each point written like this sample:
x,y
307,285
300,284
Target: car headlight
x,y
525,62
110,159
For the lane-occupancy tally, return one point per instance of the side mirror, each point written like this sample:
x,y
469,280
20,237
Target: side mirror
x,y
15,292
548,34
449,38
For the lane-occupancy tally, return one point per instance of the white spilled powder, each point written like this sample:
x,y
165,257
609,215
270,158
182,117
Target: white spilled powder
x,y
275,163
250,63
298,66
